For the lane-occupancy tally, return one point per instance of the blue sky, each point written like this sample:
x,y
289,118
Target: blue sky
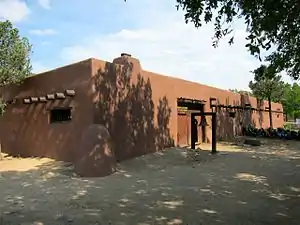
x,y
66,31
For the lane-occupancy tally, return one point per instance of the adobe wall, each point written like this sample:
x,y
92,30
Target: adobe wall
x,y
136,108
141,109
227,126
172,88
25,129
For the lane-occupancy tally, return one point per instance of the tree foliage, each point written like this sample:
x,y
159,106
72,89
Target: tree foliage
x,y
241,91
270,24
2,107
14,56
291,100
267,85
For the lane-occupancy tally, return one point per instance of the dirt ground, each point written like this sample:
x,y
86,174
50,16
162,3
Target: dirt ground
x,y
240,185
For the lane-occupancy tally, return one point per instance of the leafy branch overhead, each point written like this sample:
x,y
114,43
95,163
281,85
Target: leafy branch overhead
x,y
270,24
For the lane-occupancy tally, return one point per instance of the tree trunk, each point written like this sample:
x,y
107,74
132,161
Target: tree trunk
x,y
270,112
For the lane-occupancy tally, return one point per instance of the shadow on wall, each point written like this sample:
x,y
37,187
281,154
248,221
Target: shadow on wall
x,y
224,125
125,107
228,127
26,131
260,105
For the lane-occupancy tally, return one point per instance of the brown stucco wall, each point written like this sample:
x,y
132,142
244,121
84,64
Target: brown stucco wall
x,y
138,99
24,129
134,107
225,124
138,107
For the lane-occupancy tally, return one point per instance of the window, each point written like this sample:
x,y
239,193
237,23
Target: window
x,y
59,115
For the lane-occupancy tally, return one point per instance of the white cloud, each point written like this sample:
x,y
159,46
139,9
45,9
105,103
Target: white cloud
x,y
46,4
13,10
43,32
166,45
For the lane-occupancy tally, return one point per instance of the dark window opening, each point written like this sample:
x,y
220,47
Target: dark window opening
x,y
232,114
60,115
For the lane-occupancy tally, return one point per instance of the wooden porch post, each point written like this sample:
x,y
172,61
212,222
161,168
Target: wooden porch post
x,y
214,134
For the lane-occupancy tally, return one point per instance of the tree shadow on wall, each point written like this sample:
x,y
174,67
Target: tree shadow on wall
x,y
260,104
124,105
227,127
224,124
247,114
238,119
163,119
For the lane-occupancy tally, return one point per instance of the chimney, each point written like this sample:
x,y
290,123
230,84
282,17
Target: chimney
x,y
127,59
125,54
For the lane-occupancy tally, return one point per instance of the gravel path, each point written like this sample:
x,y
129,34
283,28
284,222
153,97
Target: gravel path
x,y
240,186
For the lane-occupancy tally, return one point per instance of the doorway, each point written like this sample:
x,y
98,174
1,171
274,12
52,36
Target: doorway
x,y
185,107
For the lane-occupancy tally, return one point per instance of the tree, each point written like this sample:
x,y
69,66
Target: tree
x,y
267,85
240,92
291,100
15,53
15,63
270,24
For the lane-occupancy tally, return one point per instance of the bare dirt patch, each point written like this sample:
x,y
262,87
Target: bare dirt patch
x,y
242,185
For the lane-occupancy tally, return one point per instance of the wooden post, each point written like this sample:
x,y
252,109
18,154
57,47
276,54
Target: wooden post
x,y
188,129
203,126
214,134
203,129
1,157
193,141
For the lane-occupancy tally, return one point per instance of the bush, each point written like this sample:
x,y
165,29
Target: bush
x,y
2,107
287,126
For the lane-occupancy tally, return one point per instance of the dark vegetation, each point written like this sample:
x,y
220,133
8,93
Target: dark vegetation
x,y
273,27
278,133
15,52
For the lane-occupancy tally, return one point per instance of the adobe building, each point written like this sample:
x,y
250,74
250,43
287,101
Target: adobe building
x,y
54,114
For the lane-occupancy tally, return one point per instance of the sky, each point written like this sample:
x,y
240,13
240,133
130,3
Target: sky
x,y
67,31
